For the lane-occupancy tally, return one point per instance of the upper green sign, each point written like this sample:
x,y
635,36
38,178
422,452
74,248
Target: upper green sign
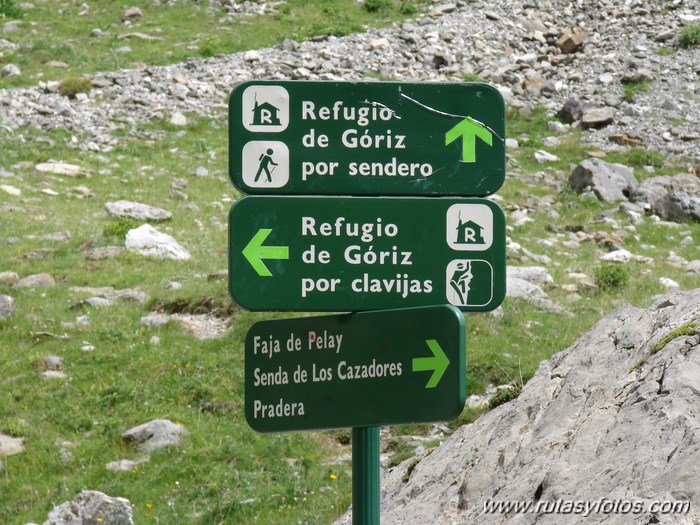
x,y
365,369
368,138
366,253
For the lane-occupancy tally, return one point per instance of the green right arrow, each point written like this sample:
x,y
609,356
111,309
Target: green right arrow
x,y
469,129
438,363
255,252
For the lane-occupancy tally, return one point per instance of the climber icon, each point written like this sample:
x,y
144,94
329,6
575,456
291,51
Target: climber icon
x,y
469,282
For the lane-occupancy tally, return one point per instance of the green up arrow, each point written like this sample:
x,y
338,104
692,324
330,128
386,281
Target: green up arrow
x,y
469,129
255,252
438,363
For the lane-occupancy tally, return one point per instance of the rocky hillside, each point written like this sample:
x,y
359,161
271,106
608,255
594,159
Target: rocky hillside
x,y
614,417
540,53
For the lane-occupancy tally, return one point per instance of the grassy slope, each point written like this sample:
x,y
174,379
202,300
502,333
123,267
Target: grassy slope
x,y
225,473
59,31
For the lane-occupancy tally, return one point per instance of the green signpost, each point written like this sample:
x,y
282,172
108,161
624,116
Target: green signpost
x,y
355,370
369,138
366,253
346,248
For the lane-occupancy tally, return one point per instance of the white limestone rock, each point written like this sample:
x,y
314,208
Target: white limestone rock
x,y
148,241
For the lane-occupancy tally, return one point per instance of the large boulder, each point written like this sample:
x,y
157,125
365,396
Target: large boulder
x,y
614,417
677,206
609,182
92,507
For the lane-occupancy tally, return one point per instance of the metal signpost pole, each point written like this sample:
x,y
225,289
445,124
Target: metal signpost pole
x,y
365,476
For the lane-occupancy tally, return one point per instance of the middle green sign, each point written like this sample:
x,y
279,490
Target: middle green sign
x,y
366,138
366,253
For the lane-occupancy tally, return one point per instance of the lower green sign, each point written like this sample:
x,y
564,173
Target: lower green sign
x,y
363,369
366,253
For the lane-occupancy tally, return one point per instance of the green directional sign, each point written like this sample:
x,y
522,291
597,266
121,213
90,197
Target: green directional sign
x,y
363,369
366,138
366,253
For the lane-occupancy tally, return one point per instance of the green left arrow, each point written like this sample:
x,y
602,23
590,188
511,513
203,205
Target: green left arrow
x,y
255,252
438,363
469,129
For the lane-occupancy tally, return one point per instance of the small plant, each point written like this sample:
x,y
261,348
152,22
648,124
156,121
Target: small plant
x,y
409,470
8,9
664,51
684,329
639,364
505,395
119,228
642,157
71,86
631,90
408,8
690,36
210,47
611,277
471,77
378,6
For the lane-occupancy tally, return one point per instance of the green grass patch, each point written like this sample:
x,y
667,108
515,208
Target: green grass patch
x,y
690,36
8,9
639,364
664,51
688,328
610,277
504,396
71,86
53,30
471,77
632,89
637,157
378,6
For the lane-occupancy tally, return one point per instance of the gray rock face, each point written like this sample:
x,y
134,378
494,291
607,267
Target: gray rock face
x,y
608,418
155,434
527,283
7,307
92,507
609,182
138,211
677,206
674,198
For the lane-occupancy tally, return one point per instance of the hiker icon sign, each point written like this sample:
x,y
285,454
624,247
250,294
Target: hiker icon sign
x,y
265,164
